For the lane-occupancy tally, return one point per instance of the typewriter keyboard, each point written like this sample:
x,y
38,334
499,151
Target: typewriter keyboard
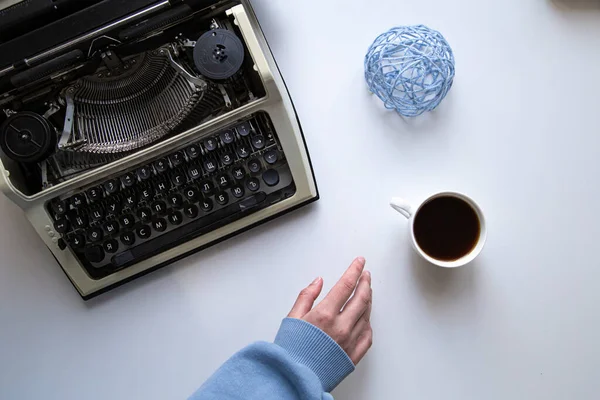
x,y
154,207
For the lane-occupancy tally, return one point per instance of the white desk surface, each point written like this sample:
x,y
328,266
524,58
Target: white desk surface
x,y
519,132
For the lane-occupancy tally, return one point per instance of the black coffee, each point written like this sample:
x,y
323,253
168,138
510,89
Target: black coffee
x,y
447,228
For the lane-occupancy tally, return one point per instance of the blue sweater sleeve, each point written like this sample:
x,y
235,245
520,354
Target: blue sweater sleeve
x,y
303,363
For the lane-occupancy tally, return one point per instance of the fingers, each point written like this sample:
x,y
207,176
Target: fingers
x,y
367,315
361,338
364,343
360,302
341,292
306,299
363,323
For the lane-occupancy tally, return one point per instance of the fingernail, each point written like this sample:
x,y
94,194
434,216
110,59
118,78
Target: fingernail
x,y
368,274
361,260
316,281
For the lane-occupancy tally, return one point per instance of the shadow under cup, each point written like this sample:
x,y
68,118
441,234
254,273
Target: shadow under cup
x,y
449,230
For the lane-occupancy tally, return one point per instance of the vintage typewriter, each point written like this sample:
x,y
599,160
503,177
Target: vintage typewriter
x,y
136,132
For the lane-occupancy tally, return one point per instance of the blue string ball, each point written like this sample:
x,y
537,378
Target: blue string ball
x,y
410,68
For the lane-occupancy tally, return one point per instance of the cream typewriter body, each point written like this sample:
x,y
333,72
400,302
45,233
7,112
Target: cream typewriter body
x,y
134,133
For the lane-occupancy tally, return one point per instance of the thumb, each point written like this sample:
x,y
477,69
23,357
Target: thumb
x,y
306,299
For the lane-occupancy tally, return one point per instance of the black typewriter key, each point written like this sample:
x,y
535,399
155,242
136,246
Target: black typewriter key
x,y
128,238
271,177
191,194
111,246
243,151
253,184
78,200
144,214
162,187
60,207
238,191
61,244
222,198
210,166
159,224
127,221
207,187
270,139
61,225
111,186
144,232
94,194
159,207
130,200
128,180
258,142
193,151
146,194
210,144
95,235
77,241
254,166
96,214
206,205
161,165
194,172
111,227
227,159
178,178
271,157
79,221
244,129
175,200
190,210
239,173
224,181
94,254
175,218
113,207
177,159
227,137
144,173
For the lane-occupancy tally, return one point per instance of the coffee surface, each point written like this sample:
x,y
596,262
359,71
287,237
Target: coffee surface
x,y
447,228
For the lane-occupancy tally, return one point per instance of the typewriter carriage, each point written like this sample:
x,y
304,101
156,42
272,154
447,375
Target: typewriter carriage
x,y
115,97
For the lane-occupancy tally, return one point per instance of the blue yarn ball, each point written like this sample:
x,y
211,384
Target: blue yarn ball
x,y
410,68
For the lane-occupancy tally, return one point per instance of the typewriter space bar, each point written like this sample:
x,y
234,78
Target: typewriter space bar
x,y
187,232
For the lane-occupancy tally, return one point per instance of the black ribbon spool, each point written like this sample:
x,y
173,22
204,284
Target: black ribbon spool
x,y
219,54
27,137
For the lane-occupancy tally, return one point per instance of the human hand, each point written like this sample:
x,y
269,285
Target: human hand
x,y
345,313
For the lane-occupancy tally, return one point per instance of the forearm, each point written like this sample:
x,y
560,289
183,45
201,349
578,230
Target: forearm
x,y
303,363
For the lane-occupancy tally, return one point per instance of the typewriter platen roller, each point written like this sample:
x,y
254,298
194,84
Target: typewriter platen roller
x,y
133,133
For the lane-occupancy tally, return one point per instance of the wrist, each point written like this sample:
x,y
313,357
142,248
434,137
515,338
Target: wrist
x,y
310,346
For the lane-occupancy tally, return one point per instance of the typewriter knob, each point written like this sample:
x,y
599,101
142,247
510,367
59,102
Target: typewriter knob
x,y
219,54
94,254
27,137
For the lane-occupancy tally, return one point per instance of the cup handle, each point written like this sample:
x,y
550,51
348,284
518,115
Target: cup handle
x,y
402,206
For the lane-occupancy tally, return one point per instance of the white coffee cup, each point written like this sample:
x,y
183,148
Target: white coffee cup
x,y
410,212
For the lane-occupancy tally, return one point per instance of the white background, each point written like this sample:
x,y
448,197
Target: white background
x,y
519,132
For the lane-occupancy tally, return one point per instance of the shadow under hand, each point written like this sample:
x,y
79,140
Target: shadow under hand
x,y
445,288
577,5
355,386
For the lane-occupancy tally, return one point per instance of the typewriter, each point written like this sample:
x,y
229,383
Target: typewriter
x,y
136,132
